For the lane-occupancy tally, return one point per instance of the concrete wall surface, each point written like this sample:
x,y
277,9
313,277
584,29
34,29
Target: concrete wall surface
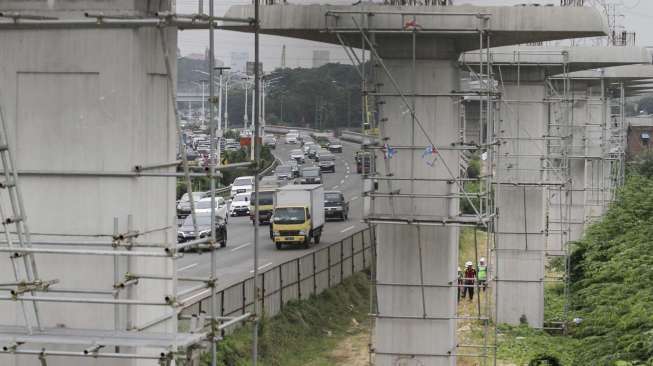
x,y
414,320
92,101
520,203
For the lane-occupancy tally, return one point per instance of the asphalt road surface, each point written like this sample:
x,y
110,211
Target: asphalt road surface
x,y
235,262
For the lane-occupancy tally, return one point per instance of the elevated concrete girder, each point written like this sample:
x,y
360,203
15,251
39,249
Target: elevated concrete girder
x,y
525,232
419,323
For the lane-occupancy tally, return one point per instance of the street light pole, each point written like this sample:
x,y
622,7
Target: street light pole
x,y
202,83
263,104
246,96
253,111
226,105
220,133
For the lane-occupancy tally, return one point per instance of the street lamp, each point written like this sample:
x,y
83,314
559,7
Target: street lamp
x,y
202,83
246,78
220,69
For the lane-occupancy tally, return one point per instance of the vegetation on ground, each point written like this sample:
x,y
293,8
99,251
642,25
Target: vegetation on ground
x,y
611,277
305,332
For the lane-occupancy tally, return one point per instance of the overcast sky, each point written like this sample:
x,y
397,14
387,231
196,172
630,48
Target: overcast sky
x,y
637,16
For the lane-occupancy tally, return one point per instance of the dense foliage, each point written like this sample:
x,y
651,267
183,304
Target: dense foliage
x,y
611,279
327,97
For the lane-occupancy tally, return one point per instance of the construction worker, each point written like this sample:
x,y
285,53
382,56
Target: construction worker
x,y
482,274
460,281
469,280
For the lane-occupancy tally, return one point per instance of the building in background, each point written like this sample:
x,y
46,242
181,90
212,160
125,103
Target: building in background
x,y
640,131
321,57
239,61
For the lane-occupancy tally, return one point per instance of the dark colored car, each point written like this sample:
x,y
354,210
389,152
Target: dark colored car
x,y
187,231
311,175
335,205
327,163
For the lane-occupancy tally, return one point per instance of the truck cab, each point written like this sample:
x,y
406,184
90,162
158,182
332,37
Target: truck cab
x,y
298,215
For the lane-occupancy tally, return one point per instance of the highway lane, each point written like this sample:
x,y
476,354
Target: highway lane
x,y
235,262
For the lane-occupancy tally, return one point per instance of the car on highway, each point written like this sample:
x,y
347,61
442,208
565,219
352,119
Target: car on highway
x,y
327,163
335,146
295,167
335,205
291,139
242,185
321,152
297,155
270,141
307,146
240,205
310,175
312,151
187,230
203,206
234,146
183,205
284,173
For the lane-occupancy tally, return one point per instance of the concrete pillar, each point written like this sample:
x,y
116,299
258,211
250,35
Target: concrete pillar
x,y
520,199
413,320
94,101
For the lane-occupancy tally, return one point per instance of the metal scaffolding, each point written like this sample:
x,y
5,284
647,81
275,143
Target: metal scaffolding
x,y
380,184
532,160
128,340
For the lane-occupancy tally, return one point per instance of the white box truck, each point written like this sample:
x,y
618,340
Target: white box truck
x,y
298,215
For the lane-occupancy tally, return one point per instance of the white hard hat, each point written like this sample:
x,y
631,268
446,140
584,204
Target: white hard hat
x,y
459,269
468,263
482,260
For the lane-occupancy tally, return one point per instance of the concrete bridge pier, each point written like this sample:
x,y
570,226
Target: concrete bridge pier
x,y
413,320
538,174
416,206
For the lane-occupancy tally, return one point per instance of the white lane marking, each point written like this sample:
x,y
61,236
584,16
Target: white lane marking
x,y
347,176
347,229
188,267
261,267
342,181
354,198
335,187
241,247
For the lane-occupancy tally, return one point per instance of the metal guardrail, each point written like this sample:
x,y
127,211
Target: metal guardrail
x,y
295,279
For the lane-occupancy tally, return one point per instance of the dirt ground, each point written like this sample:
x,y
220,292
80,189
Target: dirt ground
x,y
353,350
